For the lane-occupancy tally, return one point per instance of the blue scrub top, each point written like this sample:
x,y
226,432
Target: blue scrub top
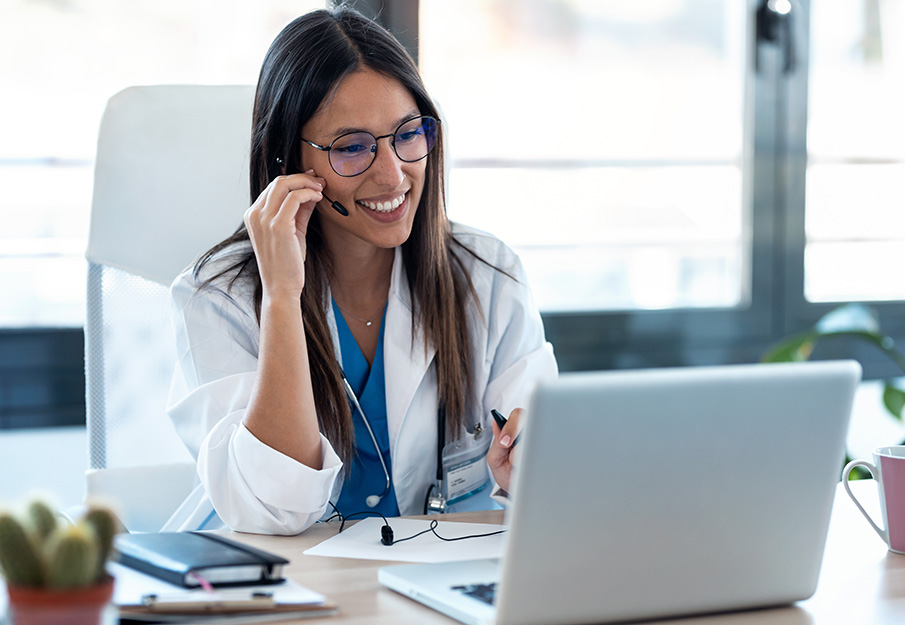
x,y
364,475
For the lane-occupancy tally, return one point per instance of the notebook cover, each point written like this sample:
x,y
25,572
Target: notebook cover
x,y
287,610
171,555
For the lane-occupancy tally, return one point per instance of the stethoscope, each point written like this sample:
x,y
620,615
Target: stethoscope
x,y
371,500
435,501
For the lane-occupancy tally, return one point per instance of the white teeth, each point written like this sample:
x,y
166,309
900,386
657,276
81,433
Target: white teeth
x,y
384,207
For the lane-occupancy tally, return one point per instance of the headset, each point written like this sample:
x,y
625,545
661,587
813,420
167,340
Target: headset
x,y
339,208
386,532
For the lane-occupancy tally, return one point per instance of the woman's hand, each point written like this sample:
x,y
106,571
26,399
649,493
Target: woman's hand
x,y
501,451
277,223
281,411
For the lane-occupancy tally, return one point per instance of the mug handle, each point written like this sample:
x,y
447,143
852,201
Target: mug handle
x,y
873,473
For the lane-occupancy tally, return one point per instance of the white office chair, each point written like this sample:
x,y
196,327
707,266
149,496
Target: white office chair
x,y
170,180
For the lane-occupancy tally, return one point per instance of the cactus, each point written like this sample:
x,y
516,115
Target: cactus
x,y
19,560
41,553
72,557
105,526
43,520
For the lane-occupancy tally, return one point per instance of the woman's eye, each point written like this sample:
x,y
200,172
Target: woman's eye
x,y
410,135
351,149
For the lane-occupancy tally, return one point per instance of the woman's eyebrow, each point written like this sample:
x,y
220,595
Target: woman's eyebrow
x,y
344,130
411,114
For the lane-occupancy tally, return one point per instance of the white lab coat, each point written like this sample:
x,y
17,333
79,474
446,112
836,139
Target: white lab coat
x,y
251,487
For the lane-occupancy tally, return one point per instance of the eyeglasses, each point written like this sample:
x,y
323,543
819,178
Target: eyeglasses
x,y
352,153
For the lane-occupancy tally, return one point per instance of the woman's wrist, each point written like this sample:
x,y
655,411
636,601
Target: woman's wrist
x,y
280,300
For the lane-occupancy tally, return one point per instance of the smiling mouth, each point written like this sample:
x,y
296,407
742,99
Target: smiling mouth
x,y
383,207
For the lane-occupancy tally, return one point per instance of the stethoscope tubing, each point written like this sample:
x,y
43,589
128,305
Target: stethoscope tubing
x,y
383,464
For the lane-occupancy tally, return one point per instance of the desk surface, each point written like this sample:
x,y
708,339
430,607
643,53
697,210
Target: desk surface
x,y
860,581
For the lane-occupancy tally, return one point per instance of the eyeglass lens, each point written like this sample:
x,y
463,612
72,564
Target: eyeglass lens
x,y
353,153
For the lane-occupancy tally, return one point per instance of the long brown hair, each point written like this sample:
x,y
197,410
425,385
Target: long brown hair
x,y
306,60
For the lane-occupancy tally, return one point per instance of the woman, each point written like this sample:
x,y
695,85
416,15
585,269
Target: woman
x,y
430,324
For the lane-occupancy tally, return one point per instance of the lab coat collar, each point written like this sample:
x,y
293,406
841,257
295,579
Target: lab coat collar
x,y
406,356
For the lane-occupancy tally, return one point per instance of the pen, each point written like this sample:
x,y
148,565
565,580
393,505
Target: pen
x,y
501,421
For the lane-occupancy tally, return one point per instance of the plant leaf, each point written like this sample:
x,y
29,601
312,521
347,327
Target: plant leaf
x,y
795,349
857,473
848,318
894,400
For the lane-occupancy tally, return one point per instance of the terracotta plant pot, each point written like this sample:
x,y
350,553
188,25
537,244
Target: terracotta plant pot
x,y
77,606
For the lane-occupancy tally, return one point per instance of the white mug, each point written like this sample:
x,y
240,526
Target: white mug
x,y
888,469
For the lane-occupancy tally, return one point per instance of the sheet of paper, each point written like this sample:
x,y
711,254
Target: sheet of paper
x,y
362,541
132,585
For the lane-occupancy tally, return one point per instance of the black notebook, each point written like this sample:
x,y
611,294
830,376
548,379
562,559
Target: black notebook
x,y
193,559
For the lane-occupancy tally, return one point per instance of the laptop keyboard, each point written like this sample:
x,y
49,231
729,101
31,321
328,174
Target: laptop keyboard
x,y
482,592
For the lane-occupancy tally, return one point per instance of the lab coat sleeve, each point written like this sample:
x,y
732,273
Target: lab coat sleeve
x,y
252,487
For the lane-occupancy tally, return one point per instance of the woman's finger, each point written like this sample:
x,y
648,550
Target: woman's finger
x,y
509,433
273,199
277,224
500,454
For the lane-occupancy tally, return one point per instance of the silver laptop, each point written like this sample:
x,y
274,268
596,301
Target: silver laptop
x,y
657,493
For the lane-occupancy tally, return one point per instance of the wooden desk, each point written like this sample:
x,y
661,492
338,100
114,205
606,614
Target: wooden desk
x,y
861,581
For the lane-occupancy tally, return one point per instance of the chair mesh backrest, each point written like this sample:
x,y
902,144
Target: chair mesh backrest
x,y
129,356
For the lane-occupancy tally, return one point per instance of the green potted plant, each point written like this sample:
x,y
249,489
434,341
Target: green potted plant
x,y
56,572
853,321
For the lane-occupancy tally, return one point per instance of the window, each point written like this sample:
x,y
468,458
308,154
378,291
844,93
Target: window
x,y
681,190
855,221
603,140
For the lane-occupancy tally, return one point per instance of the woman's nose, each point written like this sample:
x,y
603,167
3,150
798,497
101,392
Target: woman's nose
x,y
387,166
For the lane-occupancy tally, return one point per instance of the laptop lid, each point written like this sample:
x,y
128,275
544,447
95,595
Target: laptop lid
x,y
653,493
662,492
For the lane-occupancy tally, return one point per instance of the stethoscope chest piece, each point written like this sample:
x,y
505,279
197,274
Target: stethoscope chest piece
x,y
436,501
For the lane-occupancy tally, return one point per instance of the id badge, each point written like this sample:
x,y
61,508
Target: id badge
x,y
465,471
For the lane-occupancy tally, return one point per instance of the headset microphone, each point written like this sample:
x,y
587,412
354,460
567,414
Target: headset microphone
x,y
339,208
373,500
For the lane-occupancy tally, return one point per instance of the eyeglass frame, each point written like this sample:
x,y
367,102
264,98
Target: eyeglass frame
x,y
393,134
